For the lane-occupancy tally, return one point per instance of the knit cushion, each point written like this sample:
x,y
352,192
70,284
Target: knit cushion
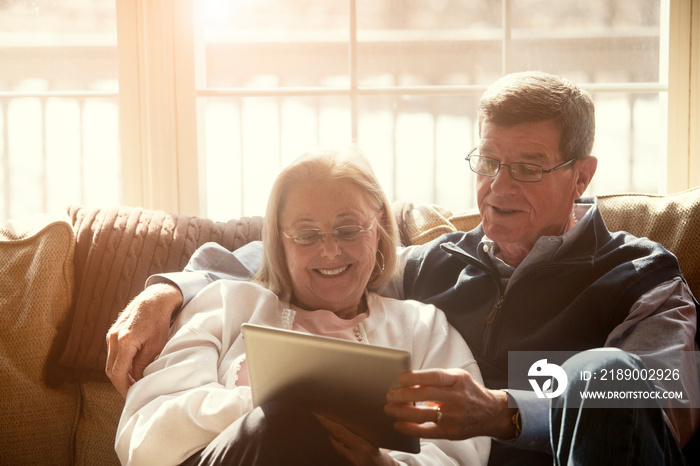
x,y
117,249
36,283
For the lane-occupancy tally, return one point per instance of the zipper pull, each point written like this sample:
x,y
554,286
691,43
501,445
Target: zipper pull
x,y
492,313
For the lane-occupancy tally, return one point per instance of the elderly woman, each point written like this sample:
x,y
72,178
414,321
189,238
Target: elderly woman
x,y
329,236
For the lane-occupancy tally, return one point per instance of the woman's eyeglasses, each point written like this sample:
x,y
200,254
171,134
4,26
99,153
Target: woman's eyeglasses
x,y
312,236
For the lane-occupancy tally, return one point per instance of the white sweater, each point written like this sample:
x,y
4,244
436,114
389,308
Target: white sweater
x,y
189,394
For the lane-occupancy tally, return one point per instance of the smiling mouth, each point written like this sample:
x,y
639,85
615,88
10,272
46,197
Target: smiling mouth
x,y
503,211
332,272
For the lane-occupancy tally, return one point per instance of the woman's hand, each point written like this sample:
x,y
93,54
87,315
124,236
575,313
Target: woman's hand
x,y
467,408
353,447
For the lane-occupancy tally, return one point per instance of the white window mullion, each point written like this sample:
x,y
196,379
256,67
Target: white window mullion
x,y
505,52
353,69
188,163
129,103
157,101
683,113
694,98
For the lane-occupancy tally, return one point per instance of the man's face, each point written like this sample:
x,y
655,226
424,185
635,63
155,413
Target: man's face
x,y
514,213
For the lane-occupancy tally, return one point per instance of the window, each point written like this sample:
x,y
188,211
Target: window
x,y
403,81
212,104
59,140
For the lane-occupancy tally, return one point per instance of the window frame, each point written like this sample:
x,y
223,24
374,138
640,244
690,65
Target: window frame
x,y
158,102
158,127
683,96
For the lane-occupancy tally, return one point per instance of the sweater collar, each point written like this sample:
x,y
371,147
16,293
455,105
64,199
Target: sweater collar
x,y
581,238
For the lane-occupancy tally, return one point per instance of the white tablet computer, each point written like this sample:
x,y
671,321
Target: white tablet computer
x,y
343,380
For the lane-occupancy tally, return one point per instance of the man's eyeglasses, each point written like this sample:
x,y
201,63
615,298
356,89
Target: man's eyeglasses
x,y
520,171
344,234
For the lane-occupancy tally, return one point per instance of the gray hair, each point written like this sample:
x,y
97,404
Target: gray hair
x,y
533,97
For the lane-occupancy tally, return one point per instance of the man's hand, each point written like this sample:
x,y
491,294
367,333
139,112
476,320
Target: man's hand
x,y
140,333
468,409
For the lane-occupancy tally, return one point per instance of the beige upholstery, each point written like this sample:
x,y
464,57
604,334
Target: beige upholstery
x,y
420,224
672,220
101,407
37,423
117,249
107,253
52,334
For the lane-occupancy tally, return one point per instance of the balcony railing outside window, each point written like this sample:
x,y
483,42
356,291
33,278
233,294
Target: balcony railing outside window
x,y
402,80
59,128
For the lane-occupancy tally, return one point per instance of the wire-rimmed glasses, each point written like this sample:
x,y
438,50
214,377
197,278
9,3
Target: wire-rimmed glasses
x,y
520,171
344,234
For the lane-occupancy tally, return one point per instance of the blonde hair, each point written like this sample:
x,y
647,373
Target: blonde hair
x,y
346,164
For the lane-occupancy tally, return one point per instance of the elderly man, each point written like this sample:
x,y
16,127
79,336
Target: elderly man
x,y
541,273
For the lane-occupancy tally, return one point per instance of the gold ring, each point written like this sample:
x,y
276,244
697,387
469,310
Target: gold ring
x,y
438,414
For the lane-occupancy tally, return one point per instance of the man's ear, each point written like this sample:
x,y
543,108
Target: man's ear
x,y
585,169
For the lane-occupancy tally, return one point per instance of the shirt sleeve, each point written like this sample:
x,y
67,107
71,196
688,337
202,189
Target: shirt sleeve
x,y
213,262
661,326
181,404
661,321
534,416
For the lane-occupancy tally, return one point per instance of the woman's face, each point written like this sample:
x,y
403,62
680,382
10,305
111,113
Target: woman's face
x,y
330,274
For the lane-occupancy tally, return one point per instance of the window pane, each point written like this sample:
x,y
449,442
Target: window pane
x,y
417,147
428,42
446,53
631,156
58,105
272,43
249,140
595,41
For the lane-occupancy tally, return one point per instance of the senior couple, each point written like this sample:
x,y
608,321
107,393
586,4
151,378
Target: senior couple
x,y
541,273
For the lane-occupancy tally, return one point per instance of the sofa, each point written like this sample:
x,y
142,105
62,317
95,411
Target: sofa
x,y
65,278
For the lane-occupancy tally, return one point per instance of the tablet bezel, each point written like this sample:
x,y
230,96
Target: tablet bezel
x,y
343,380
